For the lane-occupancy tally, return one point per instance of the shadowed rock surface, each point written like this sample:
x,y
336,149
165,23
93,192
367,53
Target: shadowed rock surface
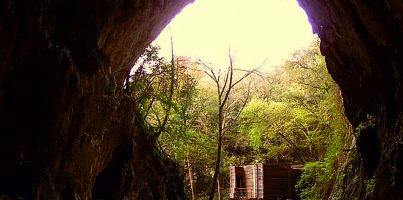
x,y
363,46
64,134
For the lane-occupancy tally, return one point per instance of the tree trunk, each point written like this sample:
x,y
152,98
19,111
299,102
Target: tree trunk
x,y
217,168
191,178
220,128
223,122
219,187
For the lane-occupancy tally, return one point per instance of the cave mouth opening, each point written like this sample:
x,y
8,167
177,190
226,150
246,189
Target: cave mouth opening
x,y
254,32
260,31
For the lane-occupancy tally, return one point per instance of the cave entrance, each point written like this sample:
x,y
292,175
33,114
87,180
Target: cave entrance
x,y
256,32
287,126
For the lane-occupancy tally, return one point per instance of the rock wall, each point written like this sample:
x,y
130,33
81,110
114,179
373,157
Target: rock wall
x,y
67,131
363,46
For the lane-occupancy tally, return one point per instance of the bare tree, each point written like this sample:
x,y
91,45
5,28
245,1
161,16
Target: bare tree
x,y
228,111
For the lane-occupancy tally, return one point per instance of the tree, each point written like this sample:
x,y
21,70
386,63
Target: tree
x,y
297,117
228,109
288,117
291,121
165,93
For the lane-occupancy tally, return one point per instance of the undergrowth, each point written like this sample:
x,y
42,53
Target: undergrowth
x,y
317,177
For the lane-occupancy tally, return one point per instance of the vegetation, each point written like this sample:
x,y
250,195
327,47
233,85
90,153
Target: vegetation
x,y
207,119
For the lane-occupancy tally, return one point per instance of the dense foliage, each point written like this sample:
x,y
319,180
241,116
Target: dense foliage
x,y
291,115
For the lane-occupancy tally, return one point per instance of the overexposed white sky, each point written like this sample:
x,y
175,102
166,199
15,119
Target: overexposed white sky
x,y
254,29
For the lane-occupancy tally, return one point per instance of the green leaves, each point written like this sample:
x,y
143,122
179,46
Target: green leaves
x,y
294,120
255,135
314,174
293,115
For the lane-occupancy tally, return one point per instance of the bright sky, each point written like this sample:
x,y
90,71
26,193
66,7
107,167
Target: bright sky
x,y
254,29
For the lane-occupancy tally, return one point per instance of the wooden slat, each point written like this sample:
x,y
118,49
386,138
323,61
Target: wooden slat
x,y
262,181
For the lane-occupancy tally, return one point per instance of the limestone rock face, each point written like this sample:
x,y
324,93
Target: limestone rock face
x,y
63,134
363,45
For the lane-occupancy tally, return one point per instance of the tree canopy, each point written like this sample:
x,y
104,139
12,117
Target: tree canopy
x,y
207,119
